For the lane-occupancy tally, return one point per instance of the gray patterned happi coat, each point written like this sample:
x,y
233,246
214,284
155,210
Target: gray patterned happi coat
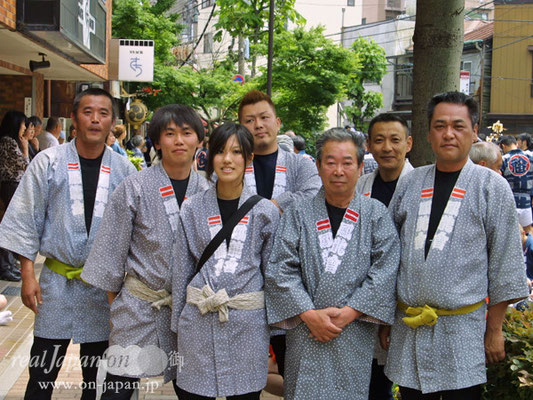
x,y
475,253
136,237
295,179
308,269
46,215
222,358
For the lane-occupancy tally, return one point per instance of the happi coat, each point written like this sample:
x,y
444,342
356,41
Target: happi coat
x,y
47,216
136,237
222,358
308,269
475,253
295,178
365,182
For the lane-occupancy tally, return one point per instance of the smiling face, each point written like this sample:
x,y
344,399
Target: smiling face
x,y
93,120
261,121
388,142
338,169
178,145
451,135
229,162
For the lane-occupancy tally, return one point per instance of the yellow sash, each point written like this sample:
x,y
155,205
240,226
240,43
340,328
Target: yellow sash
x,y
429,315
68,271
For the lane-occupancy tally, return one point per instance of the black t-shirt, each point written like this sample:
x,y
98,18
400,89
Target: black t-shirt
x,y
264,170
382,190
180,187
90,171
335,215
227,208
444,183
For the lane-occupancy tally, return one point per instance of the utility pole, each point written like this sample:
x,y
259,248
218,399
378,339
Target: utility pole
x,y
270,47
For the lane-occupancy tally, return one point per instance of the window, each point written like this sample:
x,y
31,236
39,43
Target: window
x,y
351,3
208,43
207,3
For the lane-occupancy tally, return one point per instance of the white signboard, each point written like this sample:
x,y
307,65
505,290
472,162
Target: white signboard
x,y
27,107
136,60
464,82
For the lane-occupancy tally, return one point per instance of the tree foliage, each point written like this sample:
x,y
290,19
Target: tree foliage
x,y
249,19
309,74
137,19
373,66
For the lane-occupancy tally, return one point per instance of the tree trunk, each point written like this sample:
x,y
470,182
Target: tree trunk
x,y
438,45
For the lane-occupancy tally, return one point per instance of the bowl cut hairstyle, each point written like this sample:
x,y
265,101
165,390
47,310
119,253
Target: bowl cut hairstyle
x,y
219,138
179,114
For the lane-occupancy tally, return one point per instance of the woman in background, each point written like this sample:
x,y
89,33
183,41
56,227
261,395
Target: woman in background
x,y
14,158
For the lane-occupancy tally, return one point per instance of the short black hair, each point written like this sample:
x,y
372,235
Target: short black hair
x,y
94,92
10,125
180,115
388,117
507,140
52,123
219,137
341,135
299,142
526,137
455,98
35,120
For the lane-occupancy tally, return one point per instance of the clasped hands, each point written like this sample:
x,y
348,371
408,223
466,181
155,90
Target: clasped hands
x,y
327,323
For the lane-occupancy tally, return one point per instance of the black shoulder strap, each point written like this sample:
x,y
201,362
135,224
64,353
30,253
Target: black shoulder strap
x,y
226,229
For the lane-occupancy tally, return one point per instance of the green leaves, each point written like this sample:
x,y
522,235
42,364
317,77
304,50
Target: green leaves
x,y
512,378
373,66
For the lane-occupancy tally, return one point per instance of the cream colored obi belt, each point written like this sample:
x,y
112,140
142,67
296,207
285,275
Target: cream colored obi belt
x,y
208,301
68,271
140,290
428,315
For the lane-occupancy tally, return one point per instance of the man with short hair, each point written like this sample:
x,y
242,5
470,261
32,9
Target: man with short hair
x,y
299,147
331,274
460,245
276,174
388,141
56,211
50,136
488,155
517,169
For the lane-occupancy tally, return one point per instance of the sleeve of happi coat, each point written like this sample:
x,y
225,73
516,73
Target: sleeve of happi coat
x,y
307,184
268,232
506,272
183,267
105,266
376,296
285,293
23,223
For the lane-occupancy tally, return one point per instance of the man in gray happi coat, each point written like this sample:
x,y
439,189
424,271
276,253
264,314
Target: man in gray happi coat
x,y
276,174
56,211
460,244
331,277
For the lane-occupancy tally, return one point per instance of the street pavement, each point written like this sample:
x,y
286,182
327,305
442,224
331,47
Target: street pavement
x,y
15,342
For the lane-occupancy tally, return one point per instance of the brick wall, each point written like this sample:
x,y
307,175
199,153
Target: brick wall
x,y
13,89
8,12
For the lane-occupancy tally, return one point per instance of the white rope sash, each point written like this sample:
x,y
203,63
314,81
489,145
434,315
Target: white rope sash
x,y
208,301
140,290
